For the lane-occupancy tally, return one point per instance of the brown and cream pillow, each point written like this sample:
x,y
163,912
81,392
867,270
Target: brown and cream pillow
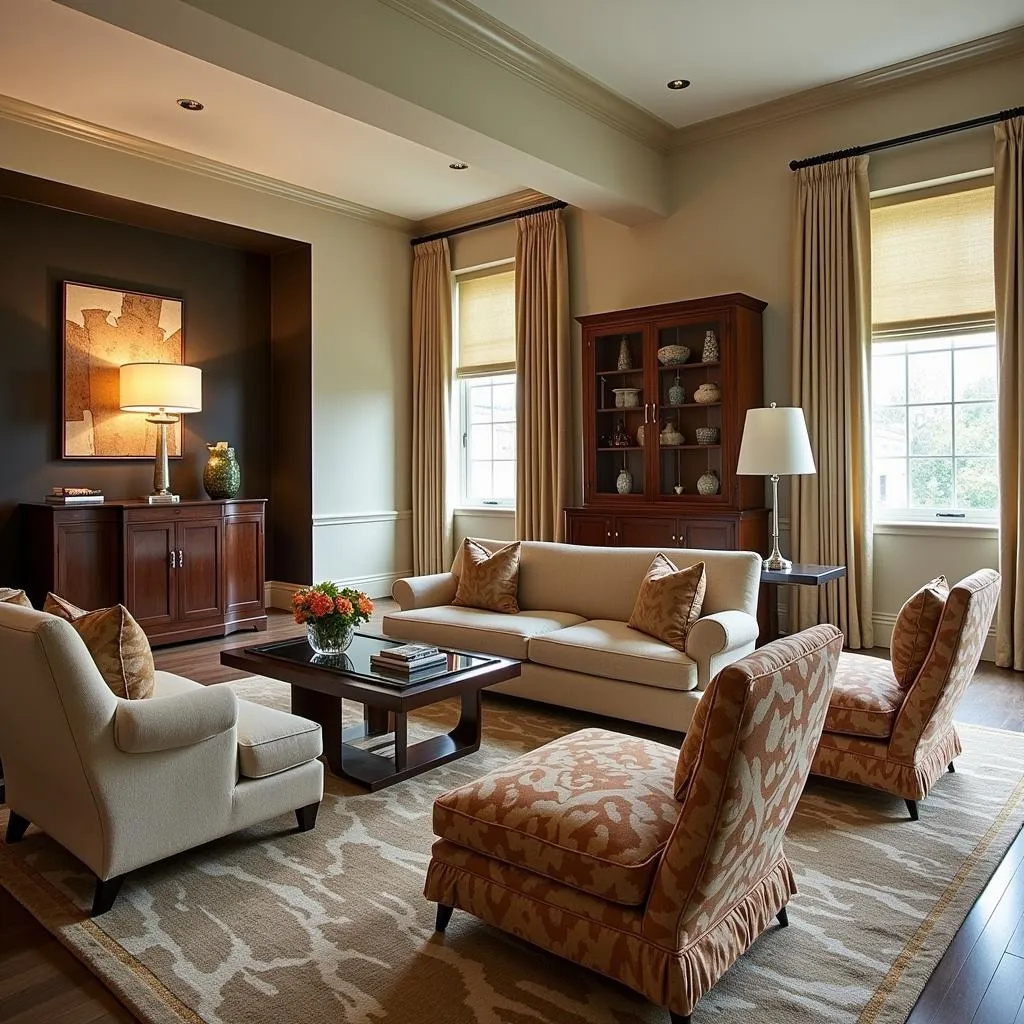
x,y
915,629
669,601
117,643
8,595
489,581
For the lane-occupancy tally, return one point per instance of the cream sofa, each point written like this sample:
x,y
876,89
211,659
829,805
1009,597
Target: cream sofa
x,y
125,783
571,632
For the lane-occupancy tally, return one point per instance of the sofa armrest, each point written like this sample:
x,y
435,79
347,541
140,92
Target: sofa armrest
x,y
717,634
169,723
425,591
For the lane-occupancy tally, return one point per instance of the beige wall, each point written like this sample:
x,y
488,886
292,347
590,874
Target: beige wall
x,y
361,384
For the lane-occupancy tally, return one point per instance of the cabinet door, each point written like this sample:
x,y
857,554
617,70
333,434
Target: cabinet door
x,y
716,535
589,529
646,532
243,565
200,570
150,585
88,562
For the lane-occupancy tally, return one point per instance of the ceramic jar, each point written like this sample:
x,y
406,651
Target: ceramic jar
x,y
708,483
624,481
710,352
222,477
627,398
676,394
708,393
625,360
640,431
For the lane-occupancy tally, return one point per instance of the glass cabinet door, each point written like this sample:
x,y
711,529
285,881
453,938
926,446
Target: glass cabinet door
x,y
689,409
621,412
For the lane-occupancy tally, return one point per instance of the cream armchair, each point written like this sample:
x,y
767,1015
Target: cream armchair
x,y
122,784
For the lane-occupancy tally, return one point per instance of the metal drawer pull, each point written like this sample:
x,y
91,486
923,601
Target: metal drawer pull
x,y
181,559
174,561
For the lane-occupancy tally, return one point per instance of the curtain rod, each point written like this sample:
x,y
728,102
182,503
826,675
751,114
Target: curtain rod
x,y
903,140
556,205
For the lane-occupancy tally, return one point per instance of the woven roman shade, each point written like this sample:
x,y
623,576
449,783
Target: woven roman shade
x,y
932,261
487,322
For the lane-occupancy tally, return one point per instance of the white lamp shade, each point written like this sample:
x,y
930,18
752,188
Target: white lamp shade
x,y
152,387
775,442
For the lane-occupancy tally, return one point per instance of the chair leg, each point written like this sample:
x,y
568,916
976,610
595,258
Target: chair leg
x,y
912,808
444,915
306,816
783,918
952,768
105,895
679,1018
16,826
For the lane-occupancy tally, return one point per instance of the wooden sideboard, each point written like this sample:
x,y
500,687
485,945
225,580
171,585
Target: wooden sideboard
x,y
185,571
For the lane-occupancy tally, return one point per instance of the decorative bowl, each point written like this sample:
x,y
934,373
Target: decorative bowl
x,y
627,398
673,355
706,435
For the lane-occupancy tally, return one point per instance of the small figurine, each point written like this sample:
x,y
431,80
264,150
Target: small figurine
x,y
621,438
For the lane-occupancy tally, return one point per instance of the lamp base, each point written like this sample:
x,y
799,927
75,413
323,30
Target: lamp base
x,y
162,499
777,563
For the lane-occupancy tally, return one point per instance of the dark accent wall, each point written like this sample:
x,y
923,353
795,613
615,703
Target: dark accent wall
x,y
227,303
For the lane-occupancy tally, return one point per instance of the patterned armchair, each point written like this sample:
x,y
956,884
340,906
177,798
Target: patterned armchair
x,y
655,867
901,739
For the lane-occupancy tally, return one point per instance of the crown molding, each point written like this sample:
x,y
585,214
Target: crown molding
x,y
917,69
503,206
475,29
21,112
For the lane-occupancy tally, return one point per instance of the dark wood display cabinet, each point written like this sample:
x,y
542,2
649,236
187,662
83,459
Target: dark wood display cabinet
x,y
185,571
664,437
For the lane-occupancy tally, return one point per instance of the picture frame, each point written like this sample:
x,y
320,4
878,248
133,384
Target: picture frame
x,y
102,328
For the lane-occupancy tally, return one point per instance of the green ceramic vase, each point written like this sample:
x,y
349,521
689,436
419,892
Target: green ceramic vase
x,y
222,478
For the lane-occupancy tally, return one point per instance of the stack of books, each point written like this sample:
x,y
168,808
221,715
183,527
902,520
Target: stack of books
x,y
74,496
410,661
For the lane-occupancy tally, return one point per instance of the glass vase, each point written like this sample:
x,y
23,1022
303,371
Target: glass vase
x,y
327,637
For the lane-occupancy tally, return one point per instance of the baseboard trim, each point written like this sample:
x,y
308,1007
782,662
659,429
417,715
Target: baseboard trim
x,y
885,622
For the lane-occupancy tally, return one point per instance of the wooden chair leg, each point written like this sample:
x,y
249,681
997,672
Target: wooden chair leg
x,y
912,808
105,895
951,769
679,1018
16,826
444,915
306,816
783,918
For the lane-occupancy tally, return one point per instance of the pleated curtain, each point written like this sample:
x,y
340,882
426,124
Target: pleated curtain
x,y
431,386
831,510
1009,271
543,395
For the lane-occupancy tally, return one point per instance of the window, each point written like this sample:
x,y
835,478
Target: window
x,y
933,360
485,391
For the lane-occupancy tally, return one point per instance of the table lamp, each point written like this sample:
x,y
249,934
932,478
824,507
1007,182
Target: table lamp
x,y
163,390
775,444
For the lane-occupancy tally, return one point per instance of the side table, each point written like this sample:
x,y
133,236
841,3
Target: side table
x,y
801,574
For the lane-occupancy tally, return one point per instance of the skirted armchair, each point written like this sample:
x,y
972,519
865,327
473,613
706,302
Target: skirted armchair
x,y
653,866
899,737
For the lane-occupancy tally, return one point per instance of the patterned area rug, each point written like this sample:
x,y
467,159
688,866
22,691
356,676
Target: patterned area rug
x,y
270,927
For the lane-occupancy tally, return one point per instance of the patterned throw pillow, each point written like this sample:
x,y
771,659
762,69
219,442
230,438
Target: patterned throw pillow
x,y
915,630
669,601
117,643
489,581
8,595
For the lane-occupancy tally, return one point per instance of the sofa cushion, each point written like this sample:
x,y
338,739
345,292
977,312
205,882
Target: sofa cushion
x,y
592,810
271,741
488,581
8,595
118,645
915,630
669,601
603,647
865,699
471,629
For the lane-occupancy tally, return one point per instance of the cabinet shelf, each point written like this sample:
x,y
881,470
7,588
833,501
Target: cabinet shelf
x,y
623,448
689,405
676,367
680,447
618,373
622,408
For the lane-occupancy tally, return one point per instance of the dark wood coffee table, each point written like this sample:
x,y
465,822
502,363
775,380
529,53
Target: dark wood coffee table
x,y
320,683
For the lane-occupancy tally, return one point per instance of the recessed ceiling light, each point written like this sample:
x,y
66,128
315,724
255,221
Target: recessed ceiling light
x,y
458,165
187,104
679,83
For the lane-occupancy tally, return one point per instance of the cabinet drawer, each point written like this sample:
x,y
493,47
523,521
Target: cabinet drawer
x,y
244,508
172,513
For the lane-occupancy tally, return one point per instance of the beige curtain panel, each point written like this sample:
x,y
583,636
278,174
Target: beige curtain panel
x,y
543,397
831,361
431,384
1009,245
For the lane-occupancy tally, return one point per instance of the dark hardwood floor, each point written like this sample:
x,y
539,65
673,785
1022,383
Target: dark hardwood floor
x,y
980,980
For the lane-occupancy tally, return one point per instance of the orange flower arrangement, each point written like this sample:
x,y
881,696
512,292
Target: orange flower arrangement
x,y
331,612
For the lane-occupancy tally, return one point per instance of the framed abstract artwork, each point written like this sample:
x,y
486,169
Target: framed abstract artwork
x,y
104,328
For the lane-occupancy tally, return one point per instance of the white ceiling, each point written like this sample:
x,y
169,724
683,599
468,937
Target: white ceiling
x,y
63,60
739,53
